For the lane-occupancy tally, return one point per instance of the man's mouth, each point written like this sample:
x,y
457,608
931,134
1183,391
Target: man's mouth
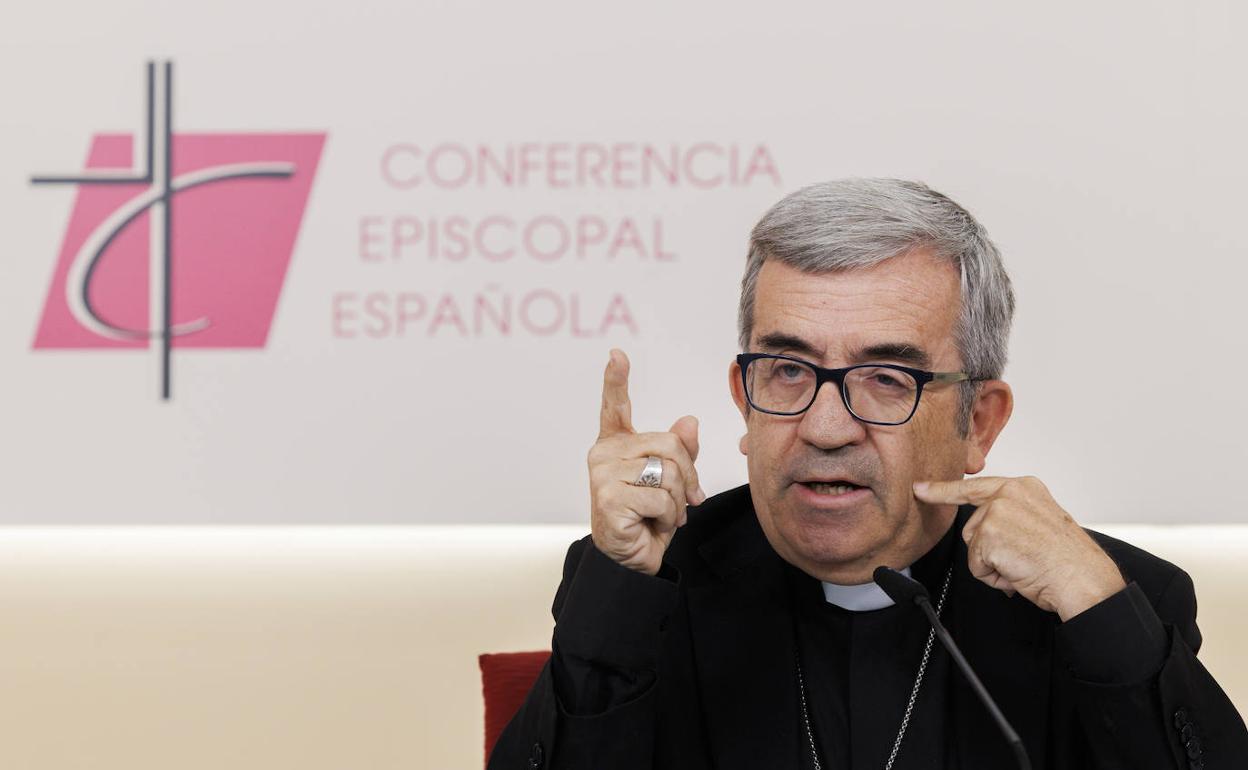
x,y
831,488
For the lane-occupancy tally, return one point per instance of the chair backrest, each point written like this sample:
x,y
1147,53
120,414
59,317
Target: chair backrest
x,y
506,678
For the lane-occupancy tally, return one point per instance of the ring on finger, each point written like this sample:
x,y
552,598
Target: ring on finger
x,y
652,474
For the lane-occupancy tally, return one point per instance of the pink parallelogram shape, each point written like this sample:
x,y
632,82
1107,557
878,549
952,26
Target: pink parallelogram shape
x,y
231,243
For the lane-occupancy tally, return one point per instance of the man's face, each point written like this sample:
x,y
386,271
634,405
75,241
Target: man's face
x,y
911,300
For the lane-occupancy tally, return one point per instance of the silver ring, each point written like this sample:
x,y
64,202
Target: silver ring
x,y
652,474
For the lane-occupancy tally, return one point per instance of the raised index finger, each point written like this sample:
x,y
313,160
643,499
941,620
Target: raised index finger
x,y
976,491
617,410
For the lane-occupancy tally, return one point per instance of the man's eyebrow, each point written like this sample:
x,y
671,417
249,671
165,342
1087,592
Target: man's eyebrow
x,y
893,351
782,341
896,351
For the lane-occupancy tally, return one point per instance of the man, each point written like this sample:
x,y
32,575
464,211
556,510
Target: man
x,y
744,630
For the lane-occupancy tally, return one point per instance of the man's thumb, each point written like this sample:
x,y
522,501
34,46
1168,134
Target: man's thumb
x,y
686,428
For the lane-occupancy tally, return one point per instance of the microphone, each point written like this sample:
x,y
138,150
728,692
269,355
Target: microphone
x,y
904,590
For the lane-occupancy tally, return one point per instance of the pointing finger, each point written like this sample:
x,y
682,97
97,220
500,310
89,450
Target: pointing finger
x,y
976,491
617,410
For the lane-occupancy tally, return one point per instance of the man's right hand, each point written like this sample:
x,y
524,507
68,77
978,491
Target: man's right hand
x,y
629,523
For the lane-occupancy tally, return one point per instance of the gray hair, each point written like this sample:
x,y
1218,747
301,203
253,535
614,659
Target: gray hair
x,y
846,224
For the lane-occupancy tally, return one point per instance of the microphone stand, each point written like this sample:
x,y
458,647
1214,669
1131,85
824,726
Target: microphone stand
x,y
901,588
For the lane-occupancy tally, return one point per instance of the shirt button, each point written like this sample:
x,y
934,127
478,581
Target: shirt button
x,y
535,757
1193,748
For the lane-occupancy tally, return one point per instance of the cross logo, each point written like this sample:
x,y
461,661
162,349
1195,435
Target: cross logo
x,y
188,249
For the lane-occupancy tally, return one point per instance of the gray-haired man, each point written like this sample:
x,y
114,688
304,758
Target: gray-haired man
x,y
744,630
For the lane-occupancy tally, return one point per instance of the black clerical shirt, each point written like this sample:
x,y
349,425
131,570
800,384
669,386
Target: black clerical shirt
x,y
859,669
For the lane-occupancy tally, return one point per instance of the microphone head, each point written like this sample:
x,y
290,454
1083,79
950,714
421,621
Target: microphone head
x,y
900,589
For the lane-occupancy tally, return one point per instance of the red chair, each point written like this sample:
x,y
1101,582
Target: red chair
x,y
506,677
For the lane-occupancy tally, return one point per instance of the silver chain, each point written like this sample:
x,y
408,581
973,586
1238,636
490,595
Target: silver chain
x,y
914,692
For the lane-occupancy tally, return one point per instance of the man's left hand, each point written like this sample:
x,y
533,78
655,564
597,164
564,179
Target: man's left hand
x,y
1020,540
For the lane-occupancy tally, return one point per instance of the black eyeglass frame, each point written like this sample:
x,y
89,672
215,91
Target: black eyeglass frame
x,y
822,375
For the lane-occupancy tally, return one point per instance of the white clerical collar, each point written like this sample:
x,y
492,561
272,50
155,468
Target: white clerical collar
x,y
859,598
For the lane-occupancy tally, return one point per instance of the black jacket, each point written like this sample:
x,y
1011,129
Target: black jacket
x,y
694,668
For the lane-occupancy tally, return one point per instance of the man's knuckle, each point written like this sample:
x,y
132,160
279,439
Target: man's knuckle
x,y
672,470
987,529
665,446
671,508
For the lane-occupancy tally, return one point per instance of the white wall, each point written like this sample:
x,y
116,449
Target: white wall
x,y
1101,144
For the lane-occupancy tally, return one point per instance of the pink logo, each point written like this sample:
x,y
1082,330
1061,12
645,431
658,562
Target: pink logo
x,y
187,247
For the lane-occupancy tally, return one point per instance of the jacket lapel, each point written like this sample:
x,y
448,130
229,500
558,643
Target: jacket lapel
x,y
1008,642
743,636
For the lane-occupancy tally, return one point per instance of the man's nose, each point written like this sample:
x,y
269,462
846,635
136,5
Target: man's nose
x,y
827,423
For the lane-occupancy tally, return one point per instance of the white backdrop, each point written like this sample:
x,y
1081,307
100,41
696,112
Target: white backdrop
x,y
1101,144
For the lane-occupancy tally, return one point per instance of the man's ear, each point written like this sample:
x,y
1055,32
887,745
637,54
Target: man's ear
x,y
993,405
738,397
735,388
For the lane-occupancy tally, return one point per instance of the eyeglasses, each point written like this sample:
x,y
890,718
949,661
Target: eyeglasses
x,y
880,394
